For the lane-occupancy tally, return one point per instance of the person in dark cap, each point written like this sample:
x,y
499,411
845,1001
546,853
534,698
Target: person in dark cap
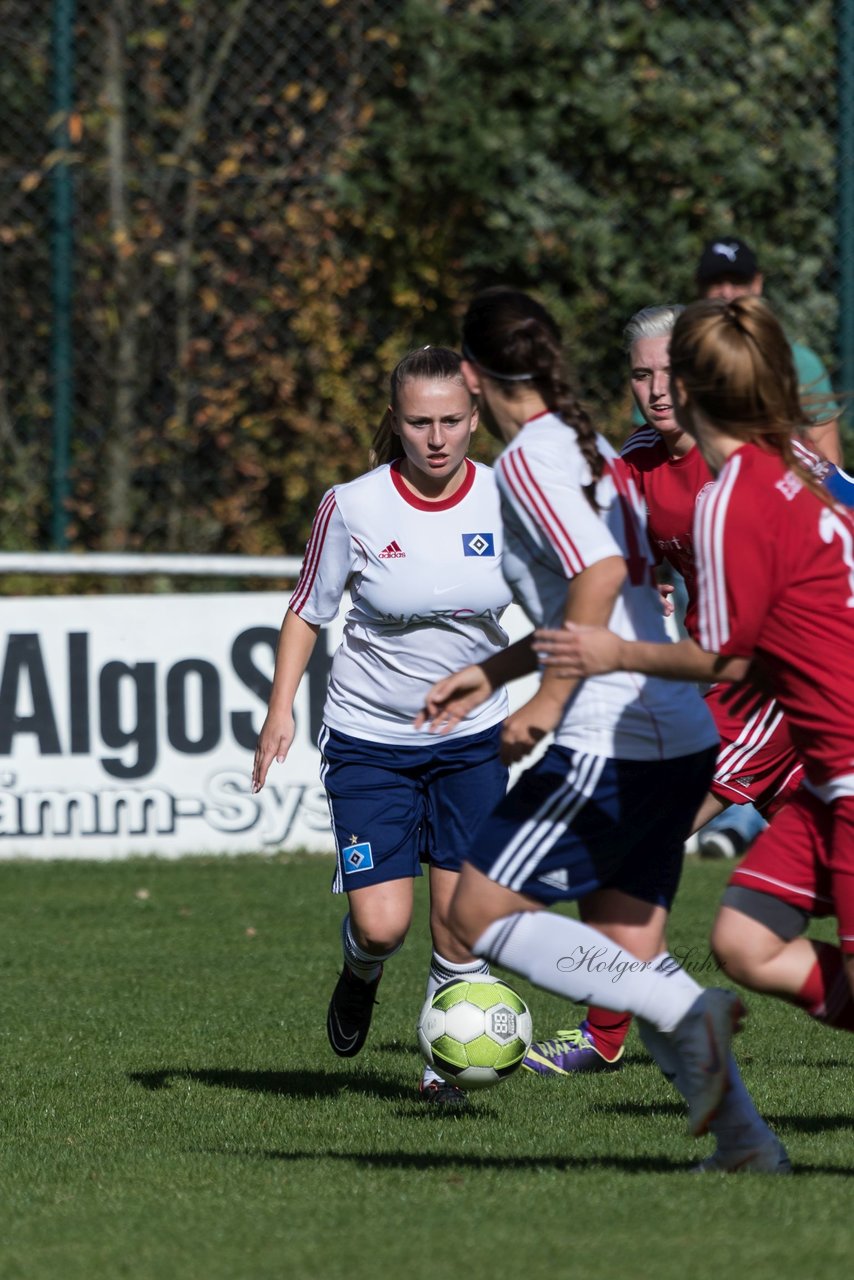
x,y
728,269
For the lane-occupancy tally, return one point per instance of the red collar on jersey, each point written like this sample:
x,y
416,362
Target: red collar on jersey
x,y
444,504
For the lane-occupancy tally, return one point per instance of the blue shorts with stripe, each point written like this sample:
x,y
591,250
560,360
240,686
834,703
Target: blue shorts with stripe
x,y
395,806
574,823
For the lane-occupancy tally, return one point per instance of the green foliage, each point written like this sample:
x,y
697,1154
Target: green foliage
x,y
274,203
586,152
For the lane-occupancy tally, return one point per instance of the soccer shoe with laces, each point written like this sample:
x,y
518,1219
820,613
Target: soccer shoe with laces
x,y
764,1157
348,1019
570,1051
441,1093
701,1041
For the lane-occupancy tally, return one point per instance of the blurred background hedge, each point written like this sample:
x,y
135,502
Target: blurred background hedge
x,y
258,206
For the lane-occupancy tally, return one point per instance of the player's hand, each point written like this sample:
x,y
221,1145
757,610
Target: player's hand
x,y
526,727
274,743
666,590
450,700
578,650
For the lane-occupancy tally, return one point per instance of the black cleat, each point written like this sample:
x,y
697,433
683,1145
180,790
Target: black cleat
x,y
348,1020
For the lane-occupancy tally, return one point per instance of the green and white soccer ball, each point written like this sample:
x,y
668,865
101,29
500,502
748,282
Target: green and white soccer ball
x,y
474,1031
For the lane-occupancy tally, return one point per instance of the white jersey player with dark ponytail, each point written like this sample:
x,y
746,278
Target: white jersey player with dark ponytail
x,y
602,816
417,543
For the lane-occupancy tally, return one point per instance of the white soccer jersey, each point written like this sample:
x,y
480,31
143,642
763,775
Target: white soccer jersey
x,y
427,597
552,533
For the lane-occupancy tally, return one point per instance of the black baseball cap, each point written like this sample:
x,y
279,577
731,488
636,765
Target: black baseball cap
x,y
726,256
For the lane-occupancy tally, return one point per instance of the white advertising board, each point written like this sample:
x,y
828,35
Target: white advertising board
x,y
128,726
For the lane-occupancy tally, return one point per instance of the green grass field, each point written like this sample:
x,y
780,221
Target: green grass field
x,y
171,1108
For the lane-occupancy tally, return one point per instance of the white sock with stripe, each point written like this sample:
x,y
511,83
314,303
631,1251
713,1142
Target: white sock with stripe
x,y
570,959
364,964
441,971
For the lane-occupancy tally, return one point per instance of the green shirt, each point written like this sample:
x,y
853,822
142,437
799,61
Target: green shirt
x,y
814,385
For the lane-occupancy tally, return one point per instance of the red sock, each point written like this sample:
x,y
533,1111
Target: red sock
x,y
826,994
607,1030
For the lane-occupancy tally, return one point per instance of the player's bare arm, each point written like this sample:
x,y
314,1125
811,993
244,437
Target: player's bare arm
x,y
296,643
450,700
578,651
590,599
824,438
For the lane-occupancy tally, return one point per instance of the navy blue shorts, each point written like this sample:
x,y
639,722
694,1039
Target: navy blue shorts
x,y
574,823
394,807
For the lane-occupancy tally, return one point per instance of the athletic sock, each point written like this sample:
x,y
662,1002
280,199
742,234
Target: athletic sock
x,y
826,994
362,964
660,1049
441,971
570,959
606,1030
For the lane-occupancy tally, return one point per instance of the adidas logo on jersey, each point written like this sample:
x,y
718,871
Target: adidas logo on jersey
x,y
392,552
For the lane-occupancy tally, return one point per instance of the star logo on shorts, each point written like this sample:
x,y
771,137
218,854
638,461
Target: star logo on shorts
x,y
354,839
357,857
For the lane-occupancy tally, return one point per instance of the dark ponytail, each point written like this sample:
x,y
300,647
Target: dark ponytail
x,y
430,363
512,338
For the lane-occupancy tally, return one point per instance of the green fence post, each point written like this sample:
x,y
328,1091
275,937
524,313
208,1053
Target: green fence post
x,y
62,255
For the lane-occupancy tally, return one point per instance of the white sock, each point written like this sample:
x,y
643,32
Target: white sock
x,y
441,971
364,964
660,1049
569,958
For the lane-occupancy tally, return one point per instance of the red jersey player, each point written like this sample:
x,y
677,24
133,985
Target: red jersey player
x,y
776,591
756,761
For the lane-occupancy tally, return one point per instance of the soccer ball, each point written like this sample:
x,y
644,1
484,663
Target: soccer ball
x,y
474,1031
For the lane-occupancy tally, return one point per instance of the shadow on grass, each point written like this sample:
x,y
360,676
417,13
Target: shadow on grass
x,y
455,1163
291,1084
415,1108
810,1124
474,1163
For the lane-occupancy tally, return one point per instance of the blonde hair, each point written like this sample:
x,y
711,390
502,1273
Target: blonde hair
x,y
651,322
432,364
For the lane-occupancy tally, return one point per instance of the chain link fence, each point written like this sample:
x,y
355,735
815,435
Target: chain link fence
x,y
220,224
